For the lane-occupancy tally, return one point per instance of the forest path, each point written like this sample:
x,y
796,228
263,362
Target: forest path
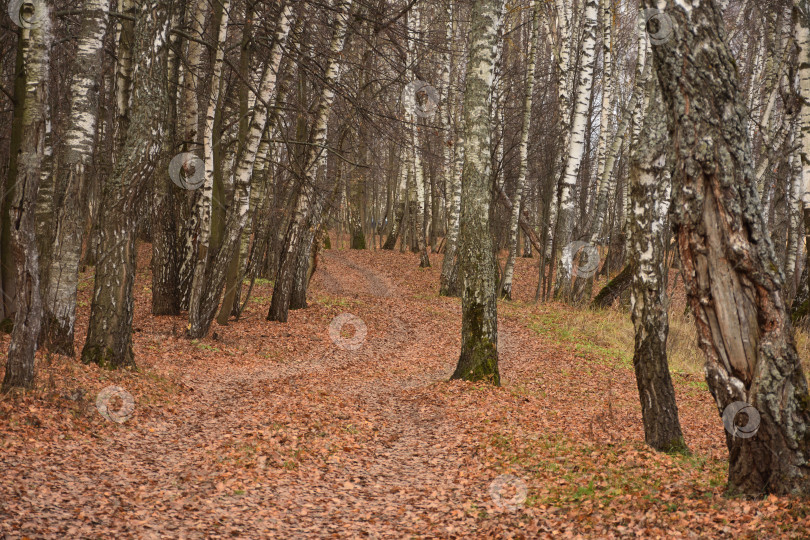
x,y
270,430
391,464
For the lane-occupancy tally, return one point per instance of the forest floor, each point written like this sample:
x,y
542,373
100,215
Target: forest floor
x,y
273,430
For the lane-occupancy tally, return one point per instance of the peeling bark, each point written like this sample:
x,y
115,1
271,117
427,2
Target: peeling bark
x,y
732,280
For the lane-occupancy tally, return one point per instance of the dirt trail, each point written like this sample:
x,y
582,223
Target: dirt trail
x,y
154,478
271,430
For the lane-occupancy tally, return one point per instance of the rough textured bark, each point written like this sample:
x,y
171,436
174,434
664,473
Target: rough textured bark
x,y
8,270
109,334
36,43
60,262
650,185
166,295
732,280
479,326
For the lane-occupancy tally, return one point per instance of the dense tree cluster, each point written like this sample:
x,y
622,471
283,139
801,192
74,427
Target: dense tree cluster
x,y
616,138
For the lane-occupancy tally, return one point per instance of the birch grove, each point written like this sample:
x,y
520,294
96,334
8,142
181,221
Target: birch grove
x,y
553,155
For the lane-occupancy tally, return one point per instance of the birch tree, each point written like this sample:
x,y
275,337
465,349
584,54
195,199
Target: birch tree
x,y
479,326
801,17
60,261
650,186
562,287
514,218
210,275
35,42
282,291
454,162
109,334
732,280
414,30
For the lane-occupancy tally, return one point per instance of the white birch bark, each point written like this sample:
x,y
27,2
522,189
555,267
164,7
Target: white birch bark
x,y
279,306
414,30
61,260
801,10
479,328
562,289
794,212
514,217
211,270
207,189
448,283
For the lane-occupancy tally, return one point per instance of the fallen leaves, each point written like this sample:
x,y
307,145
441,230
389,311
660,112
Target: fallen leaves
x,y
272,430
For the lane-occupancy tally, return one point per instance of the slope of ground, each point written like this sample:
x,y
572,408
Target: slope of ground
x,y
295,431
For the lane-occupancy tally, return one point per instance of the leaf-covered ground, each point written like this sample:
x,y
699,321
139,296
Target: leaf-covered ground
x,y
273,430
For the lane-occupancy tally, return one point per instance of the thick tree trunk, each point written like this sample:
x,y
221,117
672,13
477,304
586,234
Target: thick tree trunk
x,y
479,326
650,185
733,283
109,334
60,261
36,43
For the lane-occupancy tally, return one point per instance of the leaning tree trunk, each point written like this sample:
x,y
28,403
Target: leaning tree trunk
x,y
514,218
210,275
650,185
109,333
285,274
479,321
732,280
60,261
36,43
